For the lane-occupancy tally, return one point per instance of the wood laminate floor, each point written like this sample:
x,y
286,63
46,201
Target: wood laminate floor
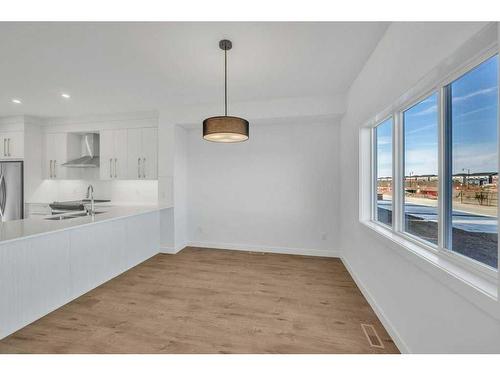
x,y
212,301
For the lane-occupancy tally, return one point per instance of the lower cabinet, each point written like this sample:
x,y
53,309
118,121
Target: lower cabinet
x,y
42,273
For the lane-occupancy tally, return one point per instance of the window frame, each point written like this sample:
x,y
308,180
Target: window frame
x,y
396,112
374,168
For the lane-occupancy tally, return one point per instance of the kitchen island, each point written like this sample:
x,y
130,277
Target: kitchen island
x,y
44,264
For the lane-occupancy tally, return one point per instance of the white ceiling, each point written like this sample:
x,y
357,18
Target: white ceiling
x,y
121,67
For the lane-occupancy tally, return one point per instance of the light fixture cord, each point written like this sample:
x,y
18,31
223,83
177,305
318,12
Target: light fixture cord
x,y
225,82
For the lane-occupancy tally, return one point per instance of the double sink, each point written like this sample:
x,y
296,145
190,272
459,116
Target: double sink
x,y
74,209
72,215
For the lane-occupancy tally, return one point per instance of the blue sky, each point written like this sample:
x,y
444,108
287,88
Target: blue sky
x,y
474,127
474,118
384,149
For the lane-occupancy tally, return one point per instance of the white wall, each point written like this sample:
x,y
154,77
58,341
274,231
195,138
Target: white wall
x,y
181,188
422,313
307,110
279,191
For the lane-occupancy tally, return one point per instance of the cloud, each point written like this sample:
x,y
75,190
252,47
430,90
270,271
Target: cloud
x,y
384,140
431,110
422,160
482,109
478,157
429,99
422,128
486,91
384,164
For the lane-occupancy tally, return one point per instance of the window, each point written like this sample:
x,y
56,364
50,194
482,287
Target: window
x,y
383,134
473,111
421,169
442,190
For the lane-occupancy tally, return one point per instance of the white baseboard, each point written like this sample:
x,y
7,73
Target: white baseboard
x,y
403,348
266,249
171,250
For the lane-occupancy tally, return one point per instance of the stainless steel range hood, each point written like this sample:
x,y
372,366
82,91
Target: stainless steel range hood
x,y
89,152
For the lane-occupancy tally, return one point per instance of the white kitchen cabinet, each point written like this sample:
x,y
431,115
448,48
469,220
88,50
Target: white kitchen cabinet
x,y
134,153
12,145
113,154
142,153
150,153
38,274
55,155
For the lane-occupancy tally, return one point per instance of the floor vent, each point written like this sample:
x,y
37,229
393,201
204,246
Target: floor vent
x,y
372,336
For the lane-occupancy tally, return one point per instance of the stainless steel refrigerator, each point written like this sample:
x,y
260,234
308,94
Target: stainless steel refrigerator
x,y
11,190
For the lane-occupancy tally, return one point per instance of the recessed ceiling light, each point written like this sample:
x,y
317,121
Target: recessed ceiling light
x,y
17,101
66,96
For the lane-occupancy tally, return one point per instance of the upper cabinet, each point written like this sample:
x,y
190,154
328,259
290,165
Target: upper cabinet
x,y
56,153
128,154
113,154
142,149
150,153
12,145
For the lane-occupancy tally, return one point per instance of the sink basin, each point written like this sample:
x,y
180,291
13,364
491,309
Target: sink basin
x,y
72,216
80,214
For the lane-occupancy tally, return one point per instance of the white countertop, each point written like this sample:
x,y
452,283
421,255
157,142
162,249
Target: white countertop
x,y
19,229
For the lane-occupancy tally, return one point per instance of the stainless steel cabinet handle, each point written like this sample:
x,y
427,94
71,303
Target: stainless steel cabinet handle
x,y
55,169
144,167
139,167
8,146
116,175
110,167
4,147
50,168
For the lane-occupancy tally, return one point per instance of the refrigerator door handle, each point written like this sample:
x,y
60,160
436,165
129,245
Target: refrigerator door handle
x,y
3,196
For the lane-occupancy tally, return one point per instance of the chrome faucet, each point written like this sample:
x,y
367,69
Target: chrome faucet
x,y
90,195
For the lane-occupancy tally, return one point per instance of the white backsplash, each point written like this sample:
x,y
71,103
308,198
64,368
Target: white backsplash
x,y
122,192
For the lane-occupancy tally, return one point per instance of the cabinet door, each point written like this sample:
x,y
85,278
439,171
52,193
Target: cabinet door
x,y
14,145
120,160
49,156
134,154
3,146
149,153
60,150
107,154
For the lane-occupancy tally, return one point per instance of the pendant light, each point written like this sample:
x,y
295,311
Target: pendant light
x,y
225,129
